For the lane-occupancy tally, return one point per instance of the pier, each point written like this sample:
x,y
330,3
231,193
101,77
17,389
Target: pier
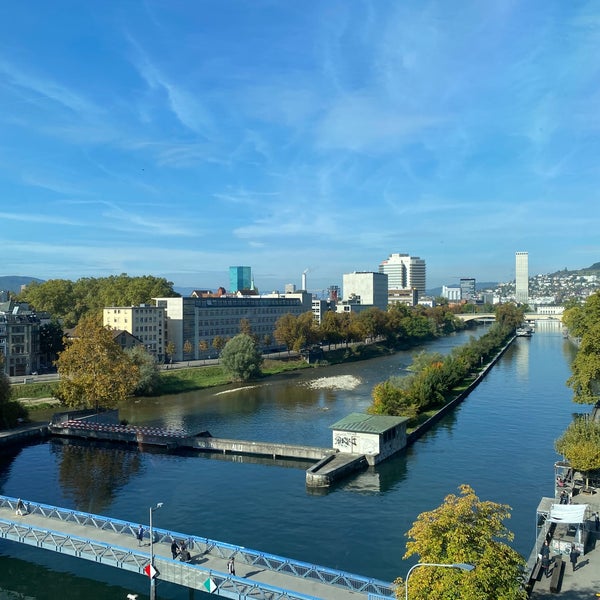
x,y
112,542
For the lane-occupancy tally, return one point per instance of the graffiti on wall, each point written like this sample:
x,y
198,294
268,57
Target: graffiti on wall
x,y
346,441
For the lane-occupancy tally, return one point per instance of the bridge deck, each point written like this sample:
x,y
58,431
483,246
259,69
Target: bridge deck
x,y
112,542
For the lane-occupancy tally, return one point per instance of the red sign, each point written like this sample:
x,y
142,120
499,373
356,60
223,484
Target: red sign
x,y
150,571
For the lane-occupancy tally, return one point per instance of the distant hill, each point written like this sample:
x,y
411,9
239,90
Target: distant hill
x,y
13,283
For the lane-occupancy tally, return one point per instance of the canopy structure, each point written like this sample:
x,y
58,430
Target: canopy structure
x,y
567,513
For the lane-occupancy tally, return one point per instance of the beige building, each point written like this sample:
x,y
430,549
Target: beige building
x,y
364,288
200,321
145,322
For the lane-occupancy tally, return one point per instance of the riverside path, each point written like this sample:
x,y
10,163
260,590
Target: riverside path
x,y
113,542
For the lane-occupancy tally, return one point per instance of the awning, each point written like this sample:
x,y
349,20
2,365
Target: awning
x,y
567,513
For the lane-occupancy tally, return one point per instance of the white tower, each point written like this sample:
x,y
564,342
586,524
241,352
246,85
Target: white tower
x,y
522,277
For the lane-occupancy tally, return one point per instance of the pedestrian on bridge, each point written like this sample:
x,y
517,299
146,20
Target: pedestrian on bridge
x,y
231,566
174,549
140,535
20,507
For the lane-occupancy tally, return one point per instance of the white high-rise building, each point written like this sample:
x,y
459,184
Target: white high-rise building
x,y
522,277
404,272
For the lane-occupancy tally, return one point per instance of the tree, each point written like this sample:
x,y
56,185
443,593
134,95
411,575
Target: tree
x,y
51,341
218,343
509,315
464,529
202,348
187,349
241,357
94,371
10,410
149,375
285,330
170,350
580,445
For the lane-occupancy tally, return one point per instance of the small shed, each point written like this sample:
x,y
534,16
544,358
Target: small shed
x,y
376,436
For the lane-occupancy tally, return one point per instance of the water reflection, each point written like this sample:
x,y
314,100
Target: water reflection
x,y
91,473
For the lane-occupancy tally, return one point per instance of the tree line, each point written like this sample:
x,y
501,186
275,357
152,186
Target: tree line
x,y
69,301
433,376
580,443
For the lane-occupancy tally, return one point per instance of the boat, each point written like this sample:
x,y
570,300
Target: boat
x,y
523,331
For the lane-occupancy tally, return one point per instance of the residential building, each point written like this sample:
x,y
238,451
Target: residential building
x,y
19,338
404,272
522,277
319,307
467,289
365,288
240,278
202,320
145,322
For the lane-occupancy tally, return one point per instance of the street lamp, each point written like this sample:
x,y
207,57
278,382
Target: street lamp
x,y
152,581
461,566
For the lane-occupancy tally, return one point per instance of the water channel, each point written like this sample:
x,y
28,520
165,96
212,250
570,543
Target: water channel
x,y
499,441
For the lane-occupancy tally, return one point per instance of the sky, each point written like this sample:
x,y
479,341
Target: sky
x,y
176,138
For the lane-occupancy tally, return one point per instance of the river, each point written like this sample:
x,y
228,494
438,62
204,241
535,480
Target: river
x,y
499,441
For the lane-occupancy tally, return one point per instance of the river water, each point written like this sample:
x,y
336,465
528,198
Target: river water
x,y
499,441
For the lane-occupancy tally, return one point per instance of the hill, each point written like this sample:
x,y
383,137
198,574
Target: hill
x,y
13,283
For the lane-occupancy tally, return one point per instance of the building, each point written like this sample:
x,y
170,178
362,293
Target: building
x,y
522,277
467,289
365,288
240,278
144,322
404,272
451,293
19,338
207,323
376,436
409,297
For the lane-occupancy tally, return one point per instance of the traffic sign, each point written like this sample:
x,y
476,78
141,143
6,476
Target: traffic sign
x,y
209,584
150,571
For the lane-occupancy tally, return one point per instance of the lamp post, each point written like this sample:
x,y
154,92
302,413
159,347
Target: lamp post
x,y
460,566
152,581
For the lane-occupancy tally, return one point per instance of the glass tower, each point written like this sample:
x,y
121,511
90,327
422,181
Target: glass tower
x,y
240,278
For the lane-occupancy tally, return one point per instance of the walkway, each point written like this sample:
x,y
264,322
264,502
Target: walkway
x,y
113,542
584,582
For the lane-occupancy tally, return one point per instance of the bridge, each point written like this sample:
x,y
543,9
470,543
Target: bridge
x,y
492,317
113,542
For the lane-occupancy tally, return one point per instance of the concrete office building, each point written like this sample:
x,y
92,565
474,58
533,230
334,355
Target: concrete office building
x,y
522,277
365,289
240,278
144,322
467,289
201,320
404,272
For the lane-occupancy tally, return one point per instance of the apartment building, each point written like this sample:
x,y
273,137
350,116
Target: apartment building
x,y
144,322
19,338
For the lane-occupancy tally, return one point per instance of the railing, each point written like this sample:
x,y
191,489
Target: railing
x,y
136,560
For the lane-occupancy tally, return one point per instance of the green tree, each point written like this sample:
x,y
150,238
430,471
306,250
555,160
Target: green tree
x,y
580,445
94,371
51,341
241,357
149,375
11,411
464,529
509,315
329,329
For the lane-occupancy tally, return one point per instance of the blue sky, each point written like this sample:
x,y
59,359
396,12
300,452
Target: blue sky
x,y
177,138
